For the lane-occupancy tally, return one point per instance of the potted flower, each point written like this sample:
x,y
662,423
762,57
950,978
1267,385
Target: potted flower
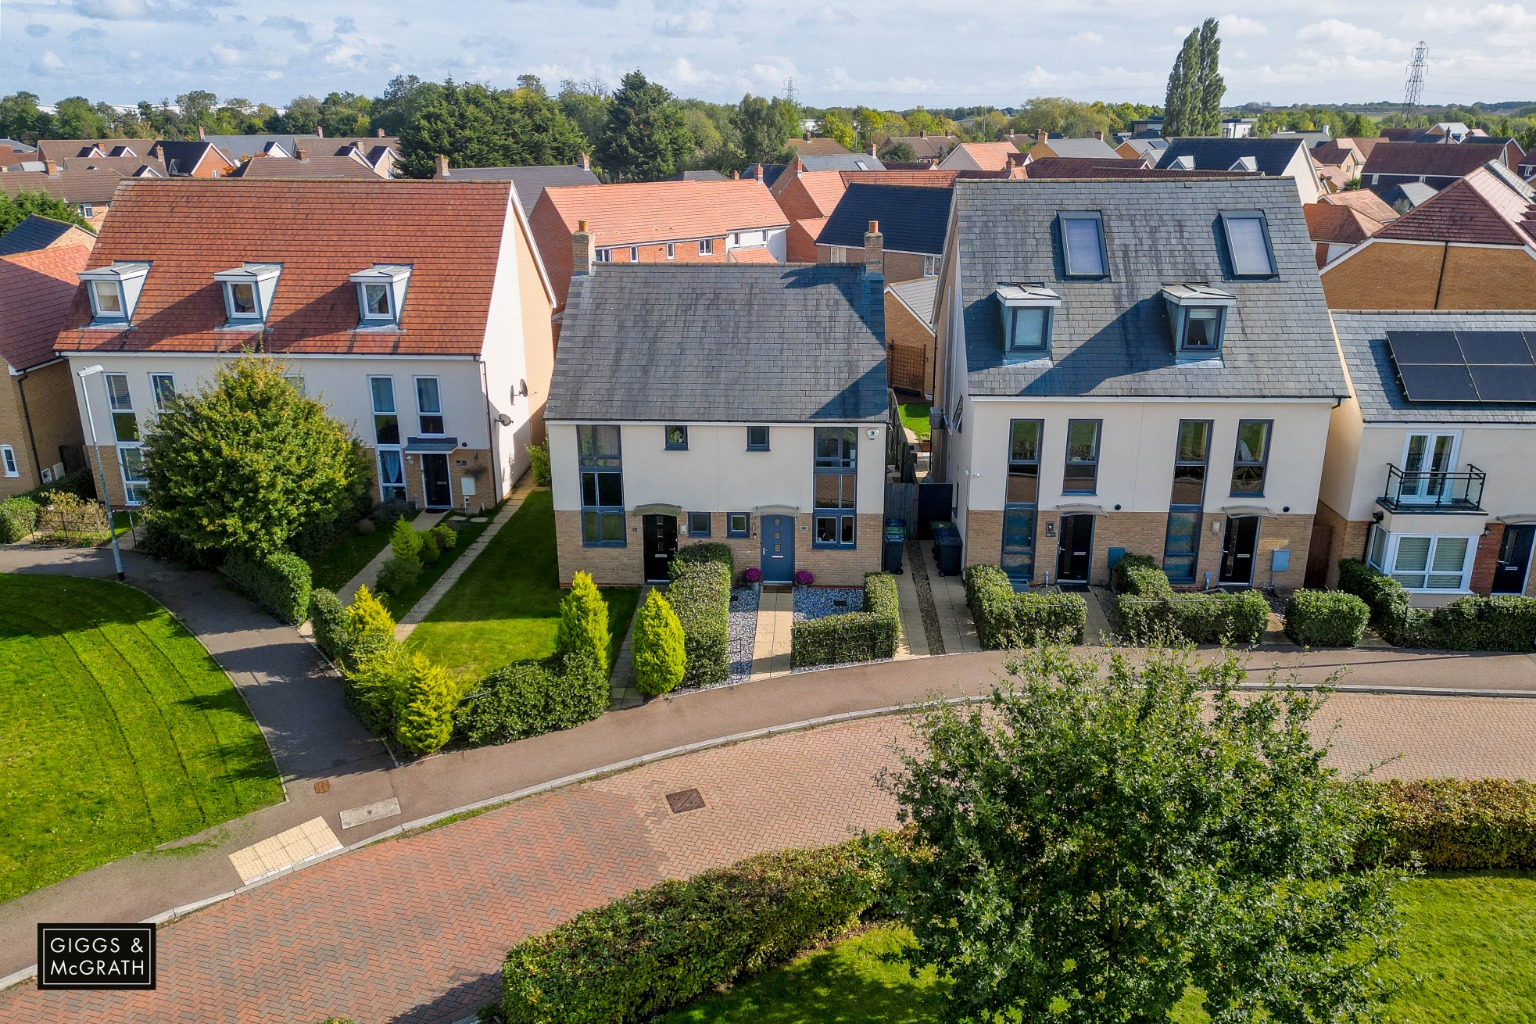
x,y
803,578
753,576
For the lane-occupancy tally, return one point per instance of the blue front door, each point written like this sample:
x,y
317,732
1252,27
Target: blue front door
x,y
778,542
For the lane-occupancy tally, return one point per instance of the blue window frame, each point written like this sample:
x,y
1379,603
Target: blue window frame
x,y
602,486
738,524
1021,500
757,439
677,437
835,513
1082,472
1186,505
698,524
1251,460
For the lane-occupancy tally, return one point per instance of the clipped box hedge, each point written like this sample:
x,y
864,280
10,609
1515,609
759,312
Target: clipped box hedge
x,y
1453,824
1005,619
700,594
661,947
868,635
1385,597
1501,622
1236,618
1140,576
530,698
327,621
703,552
1325,618
280,582
18,518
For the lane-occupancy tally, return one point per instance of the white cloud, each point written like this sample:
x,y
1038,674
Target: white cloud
x,y
1486,19
1086,39
48,63
1235,26
829,17
696,23
1334,32
683,74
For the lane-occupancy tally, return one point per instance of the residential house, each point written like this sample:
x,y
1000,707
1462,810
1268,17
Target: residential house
x,y
1527,166
40,435
1309,139
416,310
924,145
1424,163
1146,127
1363,200
827,162
379,151
36,232
671,421
1407,196
59,151
1272,157
1094,148
195,159
1133,366
657,222
811,145
982,156
529,182
1472,246
1334,230
91,192
1148,151
304,164
1069,167
1337,164
1428,472
912,222
910,343
1237,127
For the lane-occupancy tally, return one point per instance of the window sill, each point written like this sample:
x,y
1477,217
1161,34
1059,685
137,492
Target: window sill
x,y
604,544
759,449
833,547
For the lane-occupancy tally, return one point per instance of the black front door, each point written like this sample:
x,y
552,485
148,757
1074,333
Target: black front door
x,y
434,475
1074,557
660,545
1514,560
1237,550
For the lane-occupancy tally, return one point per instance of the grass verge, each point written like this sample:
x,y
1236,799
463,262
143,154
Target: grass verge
x,y
347,555
914,416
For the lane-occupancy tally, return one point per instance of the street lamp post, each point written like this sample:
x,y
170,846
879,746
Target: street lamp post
x,y
101,470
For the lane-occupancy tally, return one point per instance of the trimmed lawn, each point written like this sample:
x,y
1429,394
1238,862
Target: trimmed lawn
x,y
914,416
1468,944
468,533
120,732
506,606
334,567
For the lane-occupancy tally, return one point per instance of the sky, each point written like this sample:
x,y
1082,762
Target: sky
x,y
889,54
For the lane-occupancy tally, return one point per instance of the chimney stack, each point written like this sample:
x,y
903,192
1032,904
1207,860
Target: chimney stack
x,y
807,135
1099,134
50,168
583,252
757,172
735,175
202,133
585,161
1010,133
872,149
1041,136
874,251
442,166
378,133
922,133
298,154
320,131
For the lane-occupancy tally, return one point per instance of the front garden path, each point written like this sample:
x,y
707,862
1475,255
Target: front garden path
x,y
775,628
370,572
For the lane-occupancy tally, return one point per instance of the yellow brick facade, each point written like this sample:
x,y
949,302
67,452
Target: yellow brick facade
x,y
55,420
1398,275
911,348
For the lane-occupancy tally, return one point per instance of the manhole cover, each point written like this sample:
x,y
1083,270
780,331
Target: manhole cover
x,y
323,786
687,800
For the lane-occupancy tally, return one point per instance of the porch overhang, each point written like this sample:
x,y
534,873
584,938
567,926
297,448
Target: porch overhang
x,y
1262,511
777,510
431,445
1080,509
658,508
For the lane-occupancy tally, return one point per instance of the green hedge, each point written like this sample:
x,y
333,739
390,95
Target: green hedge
x,y
700,594
1237,618
702,553
18,518
1453,824
1005,619
1325,618
1385,597
327,621
1503,622
280,582
1140,576
664,946
529,698
868,635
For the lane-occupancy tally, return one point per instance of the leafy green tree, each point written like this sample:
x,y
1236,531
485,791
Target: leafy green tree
x,y
20,117
1072,118
345,115
397,106
17,208
196,111
301,117
405,542
1195,85
658,647
475,126
1101,838
583,627
897,152
765,126
838,126
77,118
248,462
586,104
645,138
424,706
1210,85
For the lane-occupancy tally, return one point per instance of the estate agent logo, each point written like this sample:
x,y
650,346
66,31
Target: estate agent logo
x,y
95,956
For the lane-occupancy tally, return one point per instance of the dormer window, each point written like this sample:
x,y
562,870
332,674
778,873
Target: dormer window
x,y
1028,314
248,292
1198,315
381,293
114,291
1082,245
1248,243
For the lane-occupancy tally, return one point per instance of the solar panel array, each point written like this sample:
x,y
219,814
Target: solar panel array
x,y
1465,366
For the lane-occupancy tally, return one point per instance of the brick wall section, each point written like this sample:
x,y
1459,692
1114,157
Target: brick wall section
x,y
1387,275
616,567
50,402
1347,538
899,266
1486,561
13,431
839,567
911,344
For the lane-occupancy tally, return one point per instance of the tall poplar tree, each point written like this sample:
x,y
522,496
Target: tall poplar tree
x,y
1195,86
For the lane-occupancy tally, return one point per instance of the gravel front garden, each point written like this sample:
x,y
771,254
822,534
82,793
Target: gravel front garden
x,y
743,632
819,602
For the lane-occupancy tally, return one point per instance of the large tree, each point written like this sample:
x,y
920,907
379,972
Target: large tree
x,y
247,463
475,126
765,126
1100,839
1072,118
1195,85
17,208
645,138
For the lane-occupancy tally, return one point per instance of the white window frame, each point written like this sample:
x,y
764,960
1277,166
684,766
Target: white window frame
x,y
605,255
369,315
97,312
87,210
1391,568
1424,493
135,489
932,265
235,314
154,388
839,254
298,382
671,250
706,247
634,254
8,460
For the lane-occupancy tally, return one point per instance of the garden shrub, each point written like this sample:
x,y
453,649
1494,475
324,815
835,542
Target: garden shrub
x,y
429,548
1501,622
530,698
366,527
397,575
538,462
868,635
1236,618
446,537
1385,597
1325,618
583,627
327,621
1452,824
1140,576
70,519
280,582
664,946
18,518
658,647
369,630
700,594
159,539
1005,619
386,513
372,684
405,542
700,553
424,704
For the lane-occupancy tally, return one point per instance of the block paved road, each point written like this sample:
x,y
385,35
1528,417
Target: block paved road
x,y
412,930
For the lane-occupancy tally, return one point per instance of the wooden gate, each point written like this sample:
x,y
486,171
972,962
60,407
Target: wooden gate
x,y
909,368
901,503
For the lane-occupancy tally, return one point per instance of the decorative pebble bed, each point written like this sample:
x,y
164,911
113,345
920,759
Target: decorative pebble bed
x,y
819,602
743,631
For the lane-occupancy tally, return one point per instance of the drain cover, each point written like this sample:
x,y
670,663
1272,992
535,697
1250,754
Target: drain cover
x,y
686,800
323,786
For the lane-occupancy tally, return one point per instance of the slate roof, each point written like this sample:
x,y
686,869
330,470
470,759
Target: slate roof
x,y
321,232
1112,337
237,146
725,344
59,150
1082,149
924,146
17,147
37,291
530,182
129,166
182,158
912,218
1117,167
1270,156
1430,159
1362,337
1310,139
918,295
770,172
35,232
842,162
71,186
704,175
1414,193
309,167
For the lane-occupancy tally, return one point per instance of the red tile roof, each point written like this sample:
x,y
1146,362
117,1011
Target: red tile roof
x,y
800,240
933,177
990,156
809,193
308,168
1364,200
818,147
322,232
37,291
71,186
1340,224
751,254
1478,209
664,211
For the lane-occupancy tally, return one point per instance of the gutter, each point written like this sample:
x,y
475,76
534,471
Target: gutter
x,y
490,430
1445,255
26,415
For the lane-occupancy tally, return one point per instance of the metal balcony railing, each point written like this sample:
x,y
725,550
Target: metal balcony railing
x,y
1427,491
